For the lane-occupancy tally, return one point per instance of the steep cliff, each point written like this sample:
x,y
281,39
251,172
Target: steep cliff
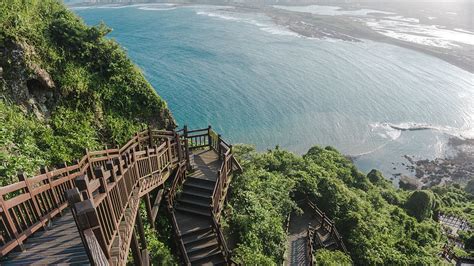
x,y
64,86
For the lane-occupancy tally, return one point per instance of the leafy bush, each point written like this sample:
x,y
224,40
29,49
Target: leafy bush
x,y
326,257
24,143
420,204
160,254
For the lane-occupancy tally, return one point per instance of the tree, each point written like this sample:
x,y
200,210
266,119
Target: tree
x,y
420,204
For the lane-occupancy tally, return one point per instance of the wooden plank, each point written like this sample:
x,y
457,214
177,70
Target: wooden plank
x,y
156,204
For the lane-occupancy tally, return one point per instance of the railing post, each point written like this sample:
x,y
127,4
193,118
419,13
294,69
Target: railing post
x,y
219,149
11,225
44,171
82,183
90,171
138,141
150,138
87,218
186,147
22,177
178,146
170,154
209,138
105,189
149,160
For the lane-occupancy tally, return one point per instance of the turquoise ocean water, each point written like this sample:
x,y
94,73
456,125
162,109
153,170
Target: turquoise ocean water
x,y
259,83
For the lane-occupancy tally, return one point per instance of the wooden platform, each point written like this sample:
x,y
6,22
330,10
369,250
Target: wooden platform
x,y
61,244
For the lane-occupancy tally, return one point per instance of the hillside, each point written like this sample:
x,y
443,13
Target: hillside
x,y
379,223
65,86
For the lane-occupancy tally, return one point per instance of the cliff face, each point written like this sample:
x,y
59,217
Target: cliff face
x,y
65,86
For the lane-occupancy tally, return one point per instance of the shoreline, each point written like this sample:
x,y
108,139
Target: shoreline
x,y
343,27
347,28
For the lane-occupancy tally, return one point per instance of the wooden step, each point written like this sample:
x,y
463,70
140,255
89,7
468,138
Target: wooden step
x,y
41,250
203,181
198,188
194,203
205,255
192,210
198,237
204,197
202,247
196,231
84,260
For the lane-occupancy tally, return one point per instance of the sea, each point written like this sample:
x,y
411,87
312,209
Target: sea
x,y
261,84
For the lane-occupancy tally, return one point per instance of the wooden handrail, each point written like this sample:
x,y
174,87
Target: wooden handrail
x,y
328,225
30,203
110,183
114,203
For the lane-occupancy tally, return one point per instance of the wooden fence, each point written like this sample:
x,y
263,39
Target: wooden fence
x,y
328,226
28,205
104,189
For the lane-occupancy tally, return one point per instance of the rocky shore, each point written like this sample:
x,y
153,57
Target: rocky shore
x,y
457,168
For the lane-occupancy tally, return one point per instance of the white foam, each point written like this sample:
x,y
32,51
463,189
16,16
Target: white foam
x,y
80,7
157,8
266,26
430,35
385,131
332,10
393,131
402,18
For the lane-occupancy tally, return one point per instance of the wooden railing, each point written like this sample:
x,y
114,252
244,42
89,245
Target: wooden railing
x,y
110,202
104,189
202,139
28,205
328,225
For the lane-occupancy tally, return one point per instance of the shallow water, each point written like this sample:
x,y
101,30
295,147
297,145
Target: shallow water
x,y
259,83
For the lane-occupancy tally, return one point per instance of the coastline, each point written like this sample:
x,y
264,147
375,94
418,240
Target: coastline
x,y
342,27
347,28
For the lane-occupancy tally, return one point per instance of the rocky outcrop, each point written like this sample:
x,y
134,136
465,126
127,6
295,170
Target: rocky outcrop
x,y
24,82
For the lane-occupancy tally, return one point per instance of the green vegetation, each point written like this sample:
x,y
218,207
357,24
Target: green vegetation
x,y
379,223
332,258
96,95
420,204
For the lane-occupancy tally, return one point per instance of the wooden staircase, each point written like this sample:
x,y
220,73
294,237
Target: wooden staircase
x,y
196,208
193,213
103,192
323,235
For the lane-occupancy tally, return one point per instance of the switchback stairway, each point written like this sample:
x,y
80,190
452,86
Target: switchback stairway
x,y
196,208
87,212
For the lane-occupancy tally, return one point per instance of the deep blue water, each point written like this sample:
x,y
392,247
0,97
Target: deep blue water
x,y
258,83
